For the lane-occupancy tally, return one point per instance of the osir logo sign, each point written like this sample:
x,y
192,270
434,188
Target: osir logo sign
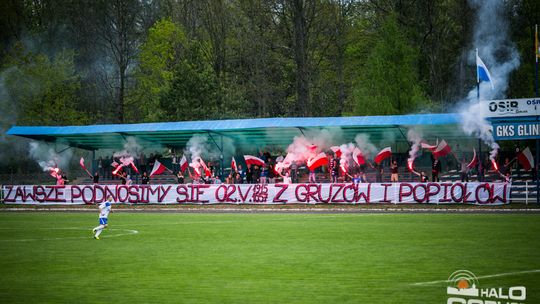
x,y
511,107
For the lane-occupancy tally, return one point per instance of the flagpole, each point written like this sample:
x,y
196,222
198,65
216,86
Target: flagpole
x,y
536,54
477,77
480,160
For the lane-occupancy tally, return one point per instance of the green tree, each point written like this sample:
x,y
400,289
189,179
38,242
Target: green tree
x,y
194,88
387,82
160,53
44,90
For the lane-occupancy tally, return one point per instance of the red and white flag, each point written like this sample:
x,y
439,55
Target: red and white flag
x,y
233,165
384,154
81,162
317,161
474,160
114,164
207,171
443,149
425,145
526,159
358,157
252,160
336,150
183,164
158,168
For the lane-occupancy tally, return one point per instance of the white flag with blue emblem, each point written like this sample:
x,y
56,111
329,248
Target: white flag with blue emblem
x,y
482,72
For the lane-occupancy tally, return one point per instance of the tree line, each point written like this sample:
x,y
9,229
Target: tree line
x,y
126,61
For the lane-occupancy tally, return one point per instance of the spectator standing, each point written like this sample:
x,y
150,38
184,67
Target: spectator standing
x,y
394,169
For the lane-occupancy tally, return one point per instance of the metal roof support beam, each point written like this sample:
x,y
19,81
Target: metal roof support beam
x,y
215,143
405,137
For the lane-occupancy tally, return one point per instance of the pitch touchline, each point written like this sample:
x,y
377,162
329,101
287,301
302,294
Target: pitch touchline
x,y
504,274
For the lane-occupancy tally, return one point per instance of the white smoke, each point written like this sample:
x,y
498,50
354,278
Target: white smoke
x,y
365,145
47,158
415,138
305,147
129,153
501,58
203,147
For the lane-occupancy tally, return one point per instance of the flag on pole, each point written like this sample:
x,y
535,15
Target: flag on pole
x,y
233,165
443,149
425,145
358,157
158,168
384,154
482,72
317,161
252,160
336,150
526,159
183,164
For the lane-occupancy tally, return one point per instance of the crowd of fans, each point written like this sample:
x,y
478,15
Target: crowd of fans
x,y
334,172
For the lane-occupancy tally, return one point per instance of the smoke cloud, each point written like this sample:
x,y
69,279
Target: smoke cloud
x,y
47,158
501,57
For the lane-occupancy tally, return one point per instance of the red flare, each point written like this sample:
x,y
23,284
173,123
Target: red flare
x,y
495,166
134,168
410,164
54,172
118,168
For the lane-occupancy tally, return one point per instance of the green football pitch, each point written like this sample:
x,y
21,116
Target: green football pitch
x,y
262,258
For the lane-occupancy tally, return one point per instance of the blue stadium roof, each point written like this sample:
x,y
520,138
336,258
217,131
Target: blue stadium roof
x,y
258,131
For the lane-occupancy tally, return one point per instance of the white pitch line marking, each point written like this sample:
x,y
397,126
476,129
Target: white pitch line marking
x,y
127,232
504,274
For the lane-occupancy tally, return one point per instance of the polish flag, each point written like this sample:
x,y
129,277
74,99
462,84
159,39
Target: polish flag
x,y
442,149
158,168
425,145
207,171
358,157
183,163
114,164
252,160
474,160
233,165
336,150
526,159
384,154
81,162
317,161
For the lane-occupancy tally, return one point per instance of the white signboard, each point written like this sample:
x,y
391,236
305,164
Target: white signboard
x,y
511,107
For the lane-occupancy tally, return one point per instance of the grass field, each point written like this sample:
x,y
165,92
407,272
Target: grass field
x,y
261,258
